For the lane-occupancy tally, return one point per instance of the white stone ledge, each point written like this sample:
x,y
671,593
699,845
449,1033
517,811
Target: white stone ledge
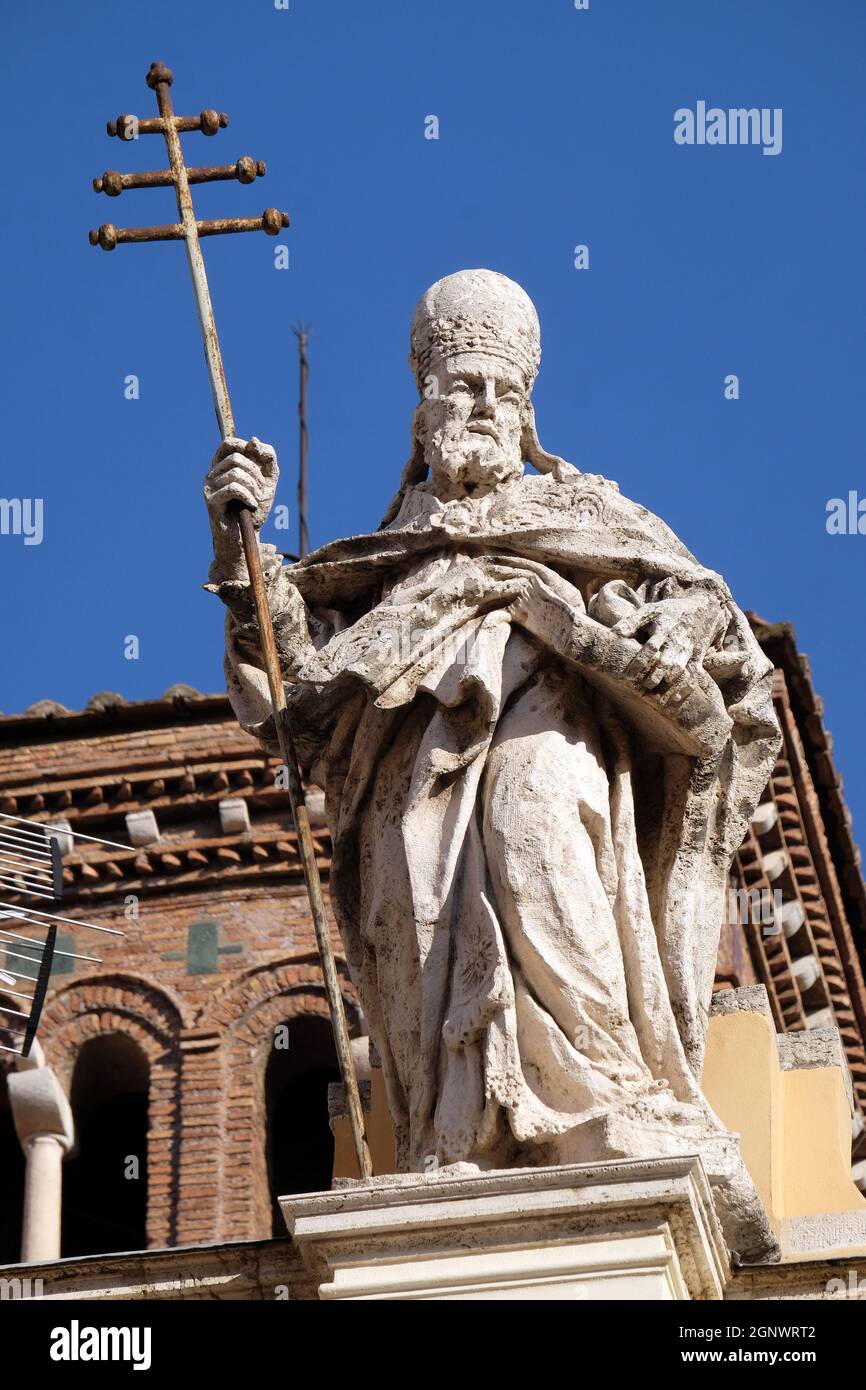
x,y
639,1229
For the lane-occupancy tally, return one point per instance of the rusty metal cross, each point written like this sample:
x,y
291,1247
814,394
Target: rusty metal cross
x,y
188,230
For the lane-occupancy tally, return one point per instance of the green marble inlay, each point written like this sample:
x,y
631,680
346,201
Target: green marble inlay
x,y
62,965
202,949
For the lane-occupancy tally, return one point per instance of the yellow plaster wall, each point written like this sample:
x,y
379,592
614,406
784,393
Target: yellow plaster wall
x,y
795,1126
742,1080
380,1134
817,1143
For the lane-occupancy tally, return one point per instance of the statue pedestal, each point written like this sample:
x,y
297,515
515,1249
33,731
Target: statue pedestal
x,y
625,1230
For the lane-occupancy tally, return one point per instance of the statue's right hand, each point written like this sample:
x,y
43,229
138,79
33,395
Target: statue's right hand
x,y
242,473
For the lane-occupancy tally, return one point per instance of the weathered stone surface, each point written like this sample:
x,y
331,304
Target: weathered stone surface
x,y
623,1231
541,727
269,1270
747,999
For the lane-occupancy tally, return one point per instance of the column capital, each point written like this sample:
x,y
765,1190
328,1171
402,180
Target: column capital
x,y
40,1108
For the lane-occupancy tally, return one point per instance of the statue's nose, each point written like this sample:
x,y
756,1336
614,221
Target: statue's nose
x,y
485,403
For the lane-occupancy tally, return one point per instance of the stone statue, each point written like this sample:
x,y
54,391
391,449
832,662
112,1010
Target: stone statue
x,y
541,727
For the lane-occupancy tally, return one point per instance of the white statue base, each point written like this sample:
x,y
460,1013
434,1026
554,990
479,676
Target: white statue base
x,y
643,1230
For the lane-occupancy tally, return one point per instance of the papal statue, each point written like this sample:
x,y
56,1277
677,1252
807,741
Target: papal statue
x,y
541,727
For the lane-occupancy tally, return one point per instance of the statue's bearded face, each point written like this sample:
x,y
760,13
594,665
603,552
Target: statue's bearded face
x,y
470,425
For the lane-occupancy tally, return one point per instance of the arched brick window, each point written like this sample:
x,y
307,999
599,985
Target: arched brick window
x,y
105,1180
252,1012
300,1145
139,1027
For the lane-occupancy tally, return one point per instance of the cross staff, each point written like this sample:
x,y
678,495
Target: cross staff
x,y
159,79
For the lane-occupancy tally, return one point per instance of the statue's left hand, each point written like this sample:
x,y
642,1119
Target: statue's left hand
x,y
681,630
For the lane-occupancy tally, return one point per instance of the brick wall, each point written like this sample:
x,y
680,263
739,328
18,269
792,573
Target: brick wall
x,y
218,948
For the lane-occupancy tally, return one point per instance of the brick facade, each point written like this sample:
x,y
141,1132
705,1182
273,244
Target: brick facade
x,y
218,948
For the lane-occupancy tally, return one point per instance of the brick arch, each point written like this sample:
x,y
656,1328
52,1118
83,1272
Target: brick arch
x,y
148,1014
106,1005
247,1013
243,993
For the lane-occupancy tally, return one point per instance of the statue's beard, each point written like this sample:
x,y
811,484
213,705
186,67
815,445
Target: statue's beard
x,y
465,463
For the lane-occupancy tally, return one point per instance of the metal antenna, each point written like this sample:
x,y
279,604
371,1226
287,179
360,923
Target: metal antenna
x,y
302,333
188,230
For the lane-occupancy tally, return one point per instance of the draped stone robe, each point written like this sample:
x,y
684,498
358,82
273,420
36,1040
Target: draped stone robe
x,y
530,854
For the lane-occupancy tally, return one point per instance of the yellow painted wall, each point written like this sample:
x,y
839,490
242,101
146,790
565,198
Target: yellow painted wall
x,y
795,1126
380,1134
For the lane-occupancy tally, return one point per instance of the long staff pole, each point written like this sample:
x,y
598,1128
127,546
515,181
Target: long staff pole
x,y
159,78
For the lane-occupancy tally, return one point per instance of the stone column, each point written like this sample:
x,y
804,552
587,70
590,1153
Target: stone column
x,y
40,1235
43,1122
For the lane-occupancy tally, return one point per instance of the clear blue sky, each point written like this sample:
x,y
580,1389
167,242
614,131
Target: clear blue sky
x,y
556,128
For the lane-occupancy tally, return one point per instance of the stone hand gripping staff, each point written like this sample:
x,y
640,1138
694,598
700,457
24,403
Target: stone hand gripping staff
x,y
189,230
